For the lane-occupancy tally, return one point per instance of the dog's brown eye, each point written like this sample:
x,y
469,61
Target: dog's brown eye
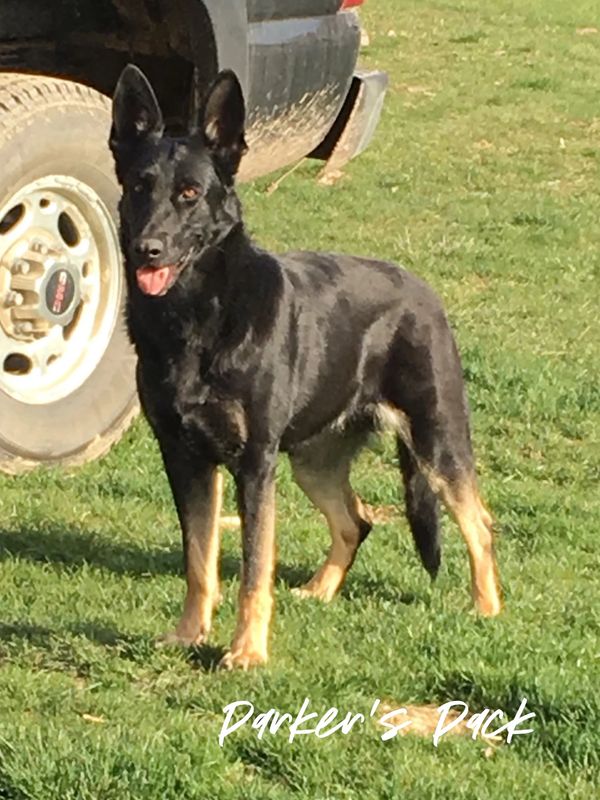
x,y
189,193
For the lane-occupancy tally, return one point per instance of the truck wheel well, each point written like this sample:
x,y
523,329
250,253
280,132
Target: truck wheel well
x,y
173,43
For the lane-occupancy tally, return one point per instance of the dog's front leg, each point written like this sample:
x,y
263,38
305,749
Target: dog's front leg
x,y
198,493
256,499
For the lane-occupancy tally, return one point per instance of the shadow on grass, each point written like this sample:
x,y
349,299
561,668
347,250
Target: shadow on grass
x,y
206,658
62,652
8,789
43,637
69,549
73,547
37,635
361,586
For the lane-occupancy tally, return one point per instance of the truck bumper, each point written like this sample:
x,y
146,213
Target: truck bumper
x,y
355,125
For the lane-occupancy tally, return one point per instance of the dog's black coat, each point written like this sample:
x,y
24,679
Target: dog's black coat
x,y
246,354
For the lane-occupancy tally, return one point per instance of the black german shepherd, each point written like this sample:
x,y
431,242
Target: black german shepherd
x,y
244,354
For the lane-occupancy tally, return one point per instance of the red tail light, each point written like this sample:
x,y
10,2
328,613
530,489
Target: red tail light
x,y
350,3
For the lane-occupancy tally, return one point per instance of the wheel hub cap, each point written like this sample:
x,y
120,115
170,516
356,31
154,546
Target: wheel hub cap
x,y
43,290
60,283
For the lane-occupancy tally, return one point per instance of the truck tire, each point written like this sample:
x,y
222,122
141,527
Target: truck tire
x,y
67,370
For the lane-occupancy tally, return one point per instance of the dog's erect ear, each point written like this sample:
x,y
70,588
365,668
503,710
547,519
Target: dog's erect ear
x,y
222,120
136,113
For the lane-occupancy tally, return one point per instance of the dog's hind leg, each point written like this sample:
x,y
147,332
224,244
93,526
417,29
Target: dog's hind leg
x,y
326,482
436,461
426,404
475,523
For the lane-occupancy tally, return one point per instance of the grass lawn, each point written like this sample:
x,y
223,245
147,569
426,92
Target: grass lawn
x,y
484,179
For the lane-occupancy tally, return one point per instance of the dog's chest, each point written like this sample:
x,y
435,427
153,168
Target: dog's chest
x,y
207,413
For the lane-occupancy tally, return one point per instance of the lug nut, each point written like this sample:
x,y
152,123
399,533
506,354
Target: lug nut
x,y
13,299
21,267
39,247
24,327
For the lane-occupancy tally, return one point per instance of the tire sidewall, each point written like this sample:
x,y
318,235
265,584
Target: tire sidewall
x,y
70,139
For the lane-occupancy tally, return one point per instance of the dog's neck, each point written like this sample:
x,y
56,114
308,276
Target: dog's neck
x,y
216,269
227,294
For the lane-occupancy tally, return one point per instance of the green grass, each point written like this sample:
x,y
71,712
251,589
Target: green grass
x,y
483,178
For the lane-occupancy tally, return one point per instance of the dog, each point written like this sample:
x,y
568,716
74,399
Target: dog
x,y
243,354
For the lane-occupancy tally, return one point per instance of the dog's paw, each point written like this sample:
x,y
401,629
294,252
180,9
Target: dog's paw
x,y
242,659
177,639
312,592
488,607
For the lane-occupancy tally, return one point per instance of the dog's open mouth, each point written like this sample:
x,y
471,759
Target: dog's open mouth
x,y
156,281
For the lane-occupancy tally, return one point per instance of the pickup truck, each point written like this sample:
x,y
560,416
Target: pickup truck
x,y
67,389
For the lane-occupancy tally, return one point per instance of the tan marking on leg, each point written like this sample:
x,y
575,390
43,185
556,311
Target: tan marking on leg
x,y
202,568
394,419
229,522
344,511
251,638
473,519
475,523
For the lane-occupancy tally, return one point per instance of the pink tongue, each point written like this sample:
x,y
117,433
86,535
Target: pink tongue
x,y
153,281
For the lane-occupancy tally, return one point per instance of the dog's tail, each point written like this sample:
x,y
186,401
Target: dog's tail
x,y
422,510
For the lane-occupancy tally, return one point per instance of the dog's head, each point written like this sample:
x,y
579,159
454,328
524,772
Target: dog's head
x,y
178,197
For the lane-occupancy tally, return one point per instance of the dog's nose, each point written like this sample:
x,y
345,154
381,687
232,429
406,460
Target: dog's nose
x,y
150,248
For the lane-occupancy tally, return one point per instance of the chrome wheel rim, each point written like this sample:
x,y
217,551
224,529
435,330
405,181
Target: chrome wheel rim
x,y
60,285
